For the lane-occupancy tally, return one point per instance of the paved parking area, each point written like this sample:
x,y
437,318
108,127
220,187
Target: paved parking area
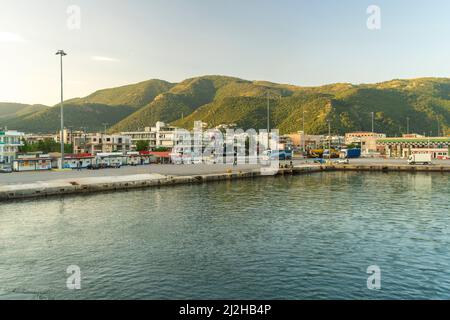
x,y
173,170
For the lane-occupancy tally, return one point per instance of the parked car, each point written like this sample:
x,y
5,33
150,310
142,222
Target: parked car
x,y
5,170
343,161
319,160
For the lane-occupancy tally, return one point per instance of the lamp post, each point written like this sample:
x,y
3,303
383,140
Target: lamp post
x,y
268,121
329,140
373,125
304,136
61,53
268,118
438,127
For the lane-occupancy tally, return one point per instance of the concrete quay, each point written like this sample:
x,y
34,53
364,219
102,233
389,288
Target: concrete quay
x,y
71,183
392,167
91,185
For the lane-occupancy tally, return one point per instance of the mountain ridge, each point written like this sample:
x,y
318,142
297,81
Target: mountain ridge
x,y
218,99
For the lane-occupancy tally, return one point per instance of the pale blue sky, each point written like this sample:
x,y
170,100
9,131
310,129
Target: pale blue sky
x,y
298,42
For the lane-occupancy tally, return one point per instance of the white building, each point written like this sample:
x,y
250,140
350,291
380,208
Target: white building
x,y
10,141
147,135
165,135
101,143
159,136
69,136
367,140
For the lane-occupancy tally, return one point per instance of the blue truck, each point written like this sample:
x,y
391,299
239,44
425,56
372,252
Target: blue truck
x,y
350,153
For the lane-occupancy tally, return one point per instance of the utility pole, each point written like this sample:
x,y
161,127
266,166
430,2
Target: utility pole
x,y
329,140
304,135
439,127
268,121
61,53
373,126
268,118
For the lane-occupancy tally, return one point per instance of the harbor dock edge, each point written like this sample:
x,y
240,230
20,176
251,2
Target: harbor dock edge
x,y
140,181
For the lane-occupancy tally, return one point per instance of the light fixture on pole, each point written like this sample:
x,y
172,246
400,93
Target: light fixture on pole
x,y
268,121
268,118
61,53
329,140
373,125
303,129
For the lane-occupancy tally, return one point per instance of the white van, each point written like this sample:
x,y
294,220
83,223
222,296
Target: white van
x,y
420,159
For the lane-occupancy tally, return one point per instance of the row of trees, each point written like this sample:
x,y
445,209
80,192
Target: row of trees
x,y
145,146
46,146
49,145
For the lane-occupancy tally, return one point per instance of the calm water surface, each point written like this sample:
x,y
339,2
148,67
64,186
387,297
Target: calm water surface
x,y
303,237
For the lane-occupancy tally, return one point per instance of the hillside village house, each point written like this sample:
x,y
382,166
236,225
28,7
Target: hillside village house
x,y
10,141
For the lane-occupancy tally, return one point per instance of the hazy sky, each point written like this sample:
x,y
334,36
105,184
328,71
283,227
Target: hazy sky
x,y
289,41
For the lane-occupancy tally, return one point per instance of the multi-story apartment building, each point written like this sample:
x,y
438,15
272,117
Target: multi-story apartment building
x,y
69,136
10,141
101,143
36,138
161,135
148,135
165,135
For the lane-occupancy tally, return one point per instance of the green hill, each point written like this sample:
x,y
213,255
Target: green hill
x,y
107,106
425,101
223,100
13,110
89,116
133,95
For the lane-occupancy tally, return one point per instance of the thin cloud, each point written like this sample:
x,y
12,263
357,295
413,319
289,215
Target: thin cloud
x,y
10,37
104,59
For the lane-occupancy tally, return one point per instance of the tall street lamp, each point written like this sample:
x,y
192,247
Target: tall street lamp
x,y
373,124
329,140
61,53
303,128
268,117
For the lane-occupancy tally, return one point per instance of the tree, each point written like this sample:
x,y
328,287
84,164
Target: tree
x,y
142,145
45,146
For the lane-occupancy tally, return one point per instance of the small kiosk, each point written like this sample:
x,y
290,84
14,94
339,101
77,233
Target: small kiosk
x,y
32,162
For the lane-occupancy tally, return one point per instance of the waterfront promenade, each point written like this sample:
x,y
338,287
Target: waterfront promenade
x,y
51,183
163,169
172,170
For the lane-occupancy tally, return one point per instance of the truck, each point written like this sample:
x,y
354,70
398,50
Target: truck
x,y
350,153
420,159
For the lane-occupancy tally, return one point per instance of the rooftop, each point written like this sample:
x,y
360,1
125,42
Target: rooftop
x,y
415,140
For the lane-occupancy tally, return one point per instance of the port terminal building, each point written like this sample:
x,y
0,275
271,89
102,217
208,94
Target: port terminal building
x,y
438,147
